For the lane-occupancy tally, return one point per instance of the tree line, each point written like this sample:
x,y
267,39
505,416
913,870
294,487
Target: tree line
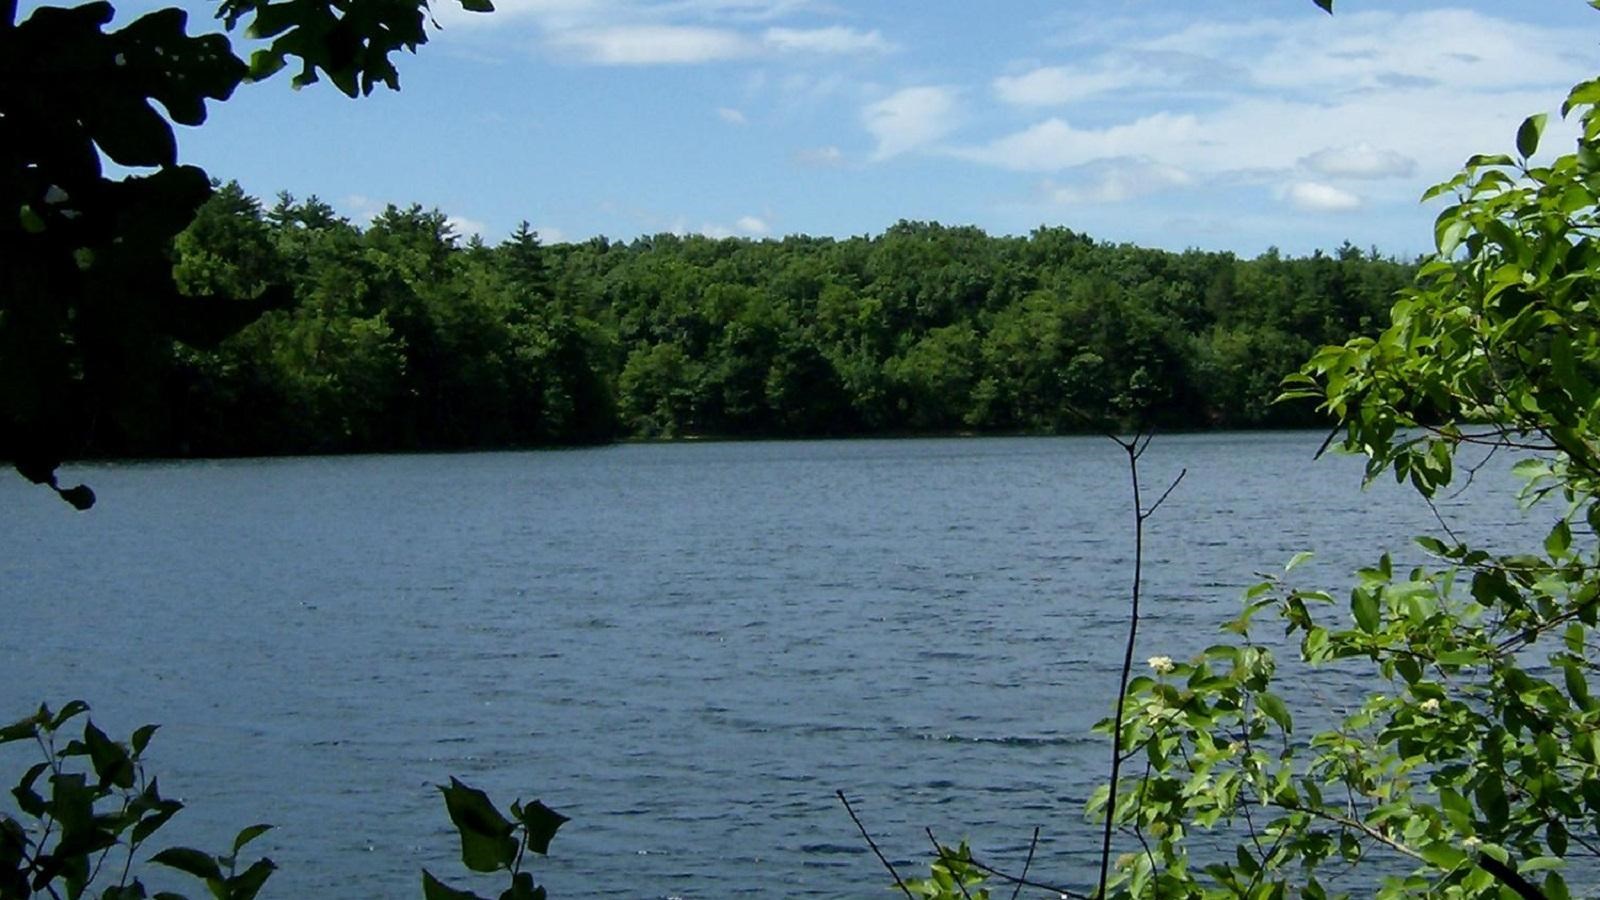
x,y
402,336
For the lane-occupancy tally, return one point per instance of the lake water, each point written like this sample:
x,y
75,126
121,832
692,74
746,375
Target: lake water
x,y
686,648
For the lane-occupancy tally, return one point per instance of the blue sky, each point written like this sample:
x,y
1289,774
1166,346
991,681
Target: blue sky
x,y
1182,123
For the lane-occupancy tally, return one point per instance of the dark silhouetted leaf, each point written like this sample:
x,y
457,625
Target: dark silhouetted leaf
x,y
542,823
186,859
486,842
434,889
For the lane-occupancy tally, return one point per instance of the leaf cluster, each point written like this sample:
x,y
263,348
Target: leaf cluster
x,y
1470,768
87,809
87,298
491,842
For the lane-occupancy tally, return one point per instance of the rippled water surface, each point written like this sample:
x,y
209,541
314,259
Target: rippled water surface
x,y
687,648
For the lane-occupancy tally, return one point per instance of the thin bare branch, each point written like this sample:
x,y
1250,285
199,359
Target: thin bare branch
x,y
1024,882
898,881
1027,863
1164,495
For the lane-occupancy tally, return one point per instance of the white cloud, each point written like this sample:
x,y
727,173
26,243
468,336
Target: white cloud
x,y
910,118
1361,160
1057,85
551,234
669,44
752,226
744,226
1459,48
644,45
1055,144
1300,101
466,228
833,40
731,116
1314,196
1118,182
829,157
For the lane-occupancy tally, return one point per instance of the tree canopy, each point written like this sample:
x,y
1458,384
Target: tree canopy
x,y
401,335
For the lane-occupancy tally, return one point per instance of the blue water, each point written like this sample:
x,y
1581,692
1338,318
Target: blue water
x,y
686,648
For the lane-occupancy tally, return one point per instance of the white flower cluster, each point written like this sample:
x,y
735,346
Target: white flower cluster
x,y
1161,664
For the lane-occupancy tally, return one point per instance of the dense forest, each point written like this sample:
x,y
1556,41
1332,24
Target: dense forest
x,y
402,336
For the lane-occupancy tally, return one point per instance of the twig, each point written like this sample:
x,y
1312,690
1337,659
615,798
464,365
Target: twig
x,y
1027,863
898,882
1165,494
1134,448
1023,882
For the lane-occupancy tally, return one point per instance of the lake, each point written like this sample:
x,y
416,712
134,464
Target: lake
x,y
687,648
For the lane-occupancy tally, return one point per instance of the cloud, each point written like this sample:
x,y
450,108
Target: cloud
x,y
910,118
1055,144
829,157
834,40
745,226
1461,49
465,227
551,234
1057,85
1361,160
1279,100
731,116
1314,196
666,44
1116,182
645,45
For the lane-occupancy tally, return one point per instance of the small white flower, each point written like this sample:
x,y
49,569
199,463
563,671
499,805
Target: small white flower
x,y
1471,841
1235,748
1429,706
1162,664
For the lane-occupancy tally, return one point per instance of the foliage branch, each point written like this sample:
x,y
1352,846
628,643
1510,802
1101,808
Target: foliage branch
x,y
86,810
1469,766
87,297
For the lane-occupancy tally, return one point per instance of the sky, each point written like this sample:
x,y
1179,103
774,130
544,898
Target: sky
x,y
1236,125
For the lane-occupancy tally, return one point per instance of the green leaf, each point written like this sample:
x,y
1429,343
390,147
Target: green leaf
x,y
523,888
1491,797
141,737
1558,541
542,823
486,842
1364,605
1540,863
112,764
1443,855
249,834
186,859
1449,235
20,730
246,884
1297,560
74,708
434,889
1528,134
1275,709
